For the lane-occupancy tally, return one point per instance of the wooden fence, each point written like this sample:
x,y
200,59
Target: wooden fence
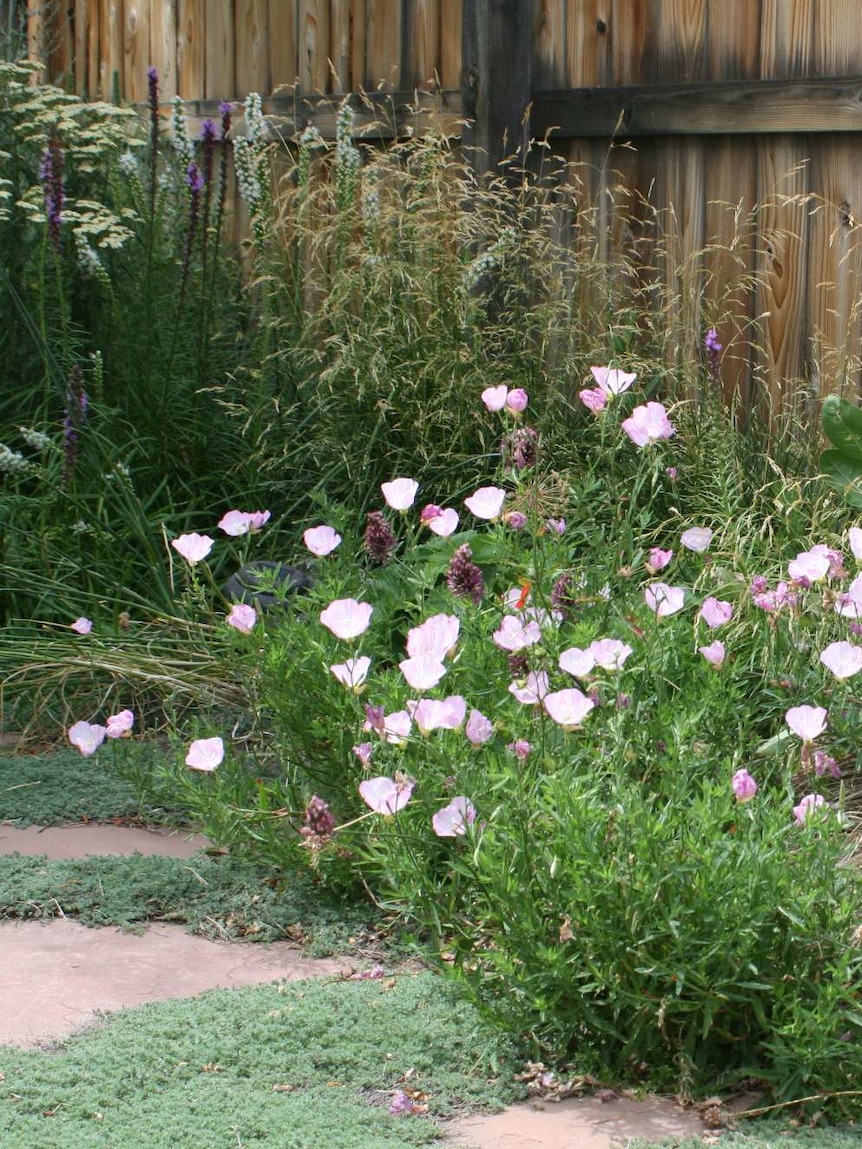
x,y
720,113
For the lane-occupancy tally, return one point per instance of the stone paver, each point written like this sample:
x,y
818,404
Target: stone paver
x,y
87,839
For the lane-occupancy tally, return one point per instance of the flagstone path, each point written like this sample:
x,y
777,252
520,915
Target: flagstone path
x,y
57,977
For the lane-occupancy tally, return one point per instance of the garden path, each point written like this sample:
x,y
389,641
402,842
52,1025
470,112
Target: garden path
x,y
58,976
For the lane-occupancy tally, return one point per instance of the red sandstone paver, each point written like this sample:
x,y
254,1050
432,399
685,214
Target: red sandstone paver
x,y
88,839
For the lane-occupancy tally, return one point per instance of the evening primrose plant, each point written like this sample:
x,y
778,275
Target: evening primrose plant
x,y
605,776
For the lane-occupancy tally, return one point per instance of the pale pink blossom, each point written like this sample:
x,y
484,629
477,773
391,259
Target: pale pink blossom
x,y
521,748
516,633
744,786
809,803
810,565
486,503
568,708
422,672
81,625
400,493
556,526
842,658
610,653
579,663
437,636
363,752
714,653
257,520
444,524
479,729
86,737
205,754
242,617
237,523
715,612
611,380
658,560
849,603
663,599
386,795
119,725
428,513
322,540
494,398
397,727
773,600
352,672
806,722
593,399
534,689
517,400
854,536
347,618
648,424
193,547
453,820
696,539
836,567
440,714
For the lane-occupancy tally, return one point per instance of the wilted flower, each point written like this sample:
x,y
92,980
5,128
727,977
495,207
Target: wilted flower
x,y
402,1104
486,502
81,625
824,763
119,725
744,786
515,520
346,618
86,737
386,795
453,820
564,594
205,754
806,722
479,729
379,541
322,540
464,578
556,526
663,599
715,613
658,560
193,547
519,449
521,748
648,424
611,380
242,617
696,539
363,752
400,493
809,803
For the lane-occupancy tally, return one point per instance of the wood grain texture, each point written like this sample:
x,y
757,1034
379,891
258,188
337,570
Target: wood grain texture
x,y
589,35
136,49
383,50
630,25
191,49
111,48
282,47
220,77
358,43
733,40
93,36
451,17
675,42
252,58
339,46
549,43
421,43
163,45
314,45
80,46
37,37
786,38
61,47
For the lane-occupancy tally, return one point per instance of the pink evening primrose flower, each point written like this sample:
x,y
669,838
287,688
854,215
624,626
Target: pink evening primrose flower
x,y
396,727
400,493
322,540
237,523
494,398
715,612
521,748
593,399
611,380
422,672
516,633
347,618
440,714
453,820
579,663
714,653
806,722
119,725
658,560
534,689
242,617
205,754
193,547
437,636
849,603
663,599
364,751
568,708
696,539
444,524
479,729
556,526
486,503
386,795
854,536
86,737
352,673
81,625
648,424
610,653
811,565
516,401
842,658
809,803
744,786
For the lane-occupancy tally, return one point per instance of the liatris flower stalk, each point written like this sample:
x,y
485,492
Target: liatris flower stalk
x,y
208,137
464,578
379,540
713,351
51,177
77,402
195,184
153,101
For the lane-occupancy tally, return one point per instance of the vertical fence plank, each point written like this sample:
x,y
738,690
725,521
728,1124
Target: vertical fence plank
x,y
339,46
136,49
111,48
497,64
549,43
163,45
421,43
314,45
191,55
358,41
589,28
80,46
451,25
383,52
61,49
36,37
252,58
93,42
630,22
220,71
282,43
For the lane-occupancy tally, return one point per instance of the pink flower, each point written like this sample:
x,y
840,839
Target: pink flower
x,y
119,725
807,804
352,673
400,493
842,658
422,672
579,663
237,523
671,473
402,1103
663,599
86,737
521,748
436,637
715,613
494,398
849,604
515,633
515,520
363,752
744,786
568,708
242,617
696,539
453,820
439,714
556,526
517,400
444,524
609,653
714,653
347,618
593,399
648,424
612,381
486,503
824,762
479,729
534,689
397,727
806,722
811,565
855,537
81,625
386,795
257,520
322,540
193,547
205,754
658,560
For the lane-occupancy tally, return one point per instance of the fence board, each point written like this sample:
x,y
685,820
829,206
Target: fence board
x,y
252,58
61,47
549,44
339,40
588,43
422,43
314,45
191,49
283,59
37,37
383,50
111,48
136,49
93,29
163,45
358,37
451,16
220,76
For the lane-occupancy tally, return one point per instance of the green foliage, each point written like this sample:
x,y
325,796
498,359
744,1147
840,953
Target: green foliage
x,y
842,464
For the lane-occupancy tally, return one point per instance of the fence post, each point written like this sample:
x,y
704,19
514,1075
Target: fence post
x,y
497,57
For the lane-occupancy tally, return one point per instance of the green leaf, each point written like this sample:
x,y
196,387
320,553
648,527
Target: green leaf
x,y
842,426
844,472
